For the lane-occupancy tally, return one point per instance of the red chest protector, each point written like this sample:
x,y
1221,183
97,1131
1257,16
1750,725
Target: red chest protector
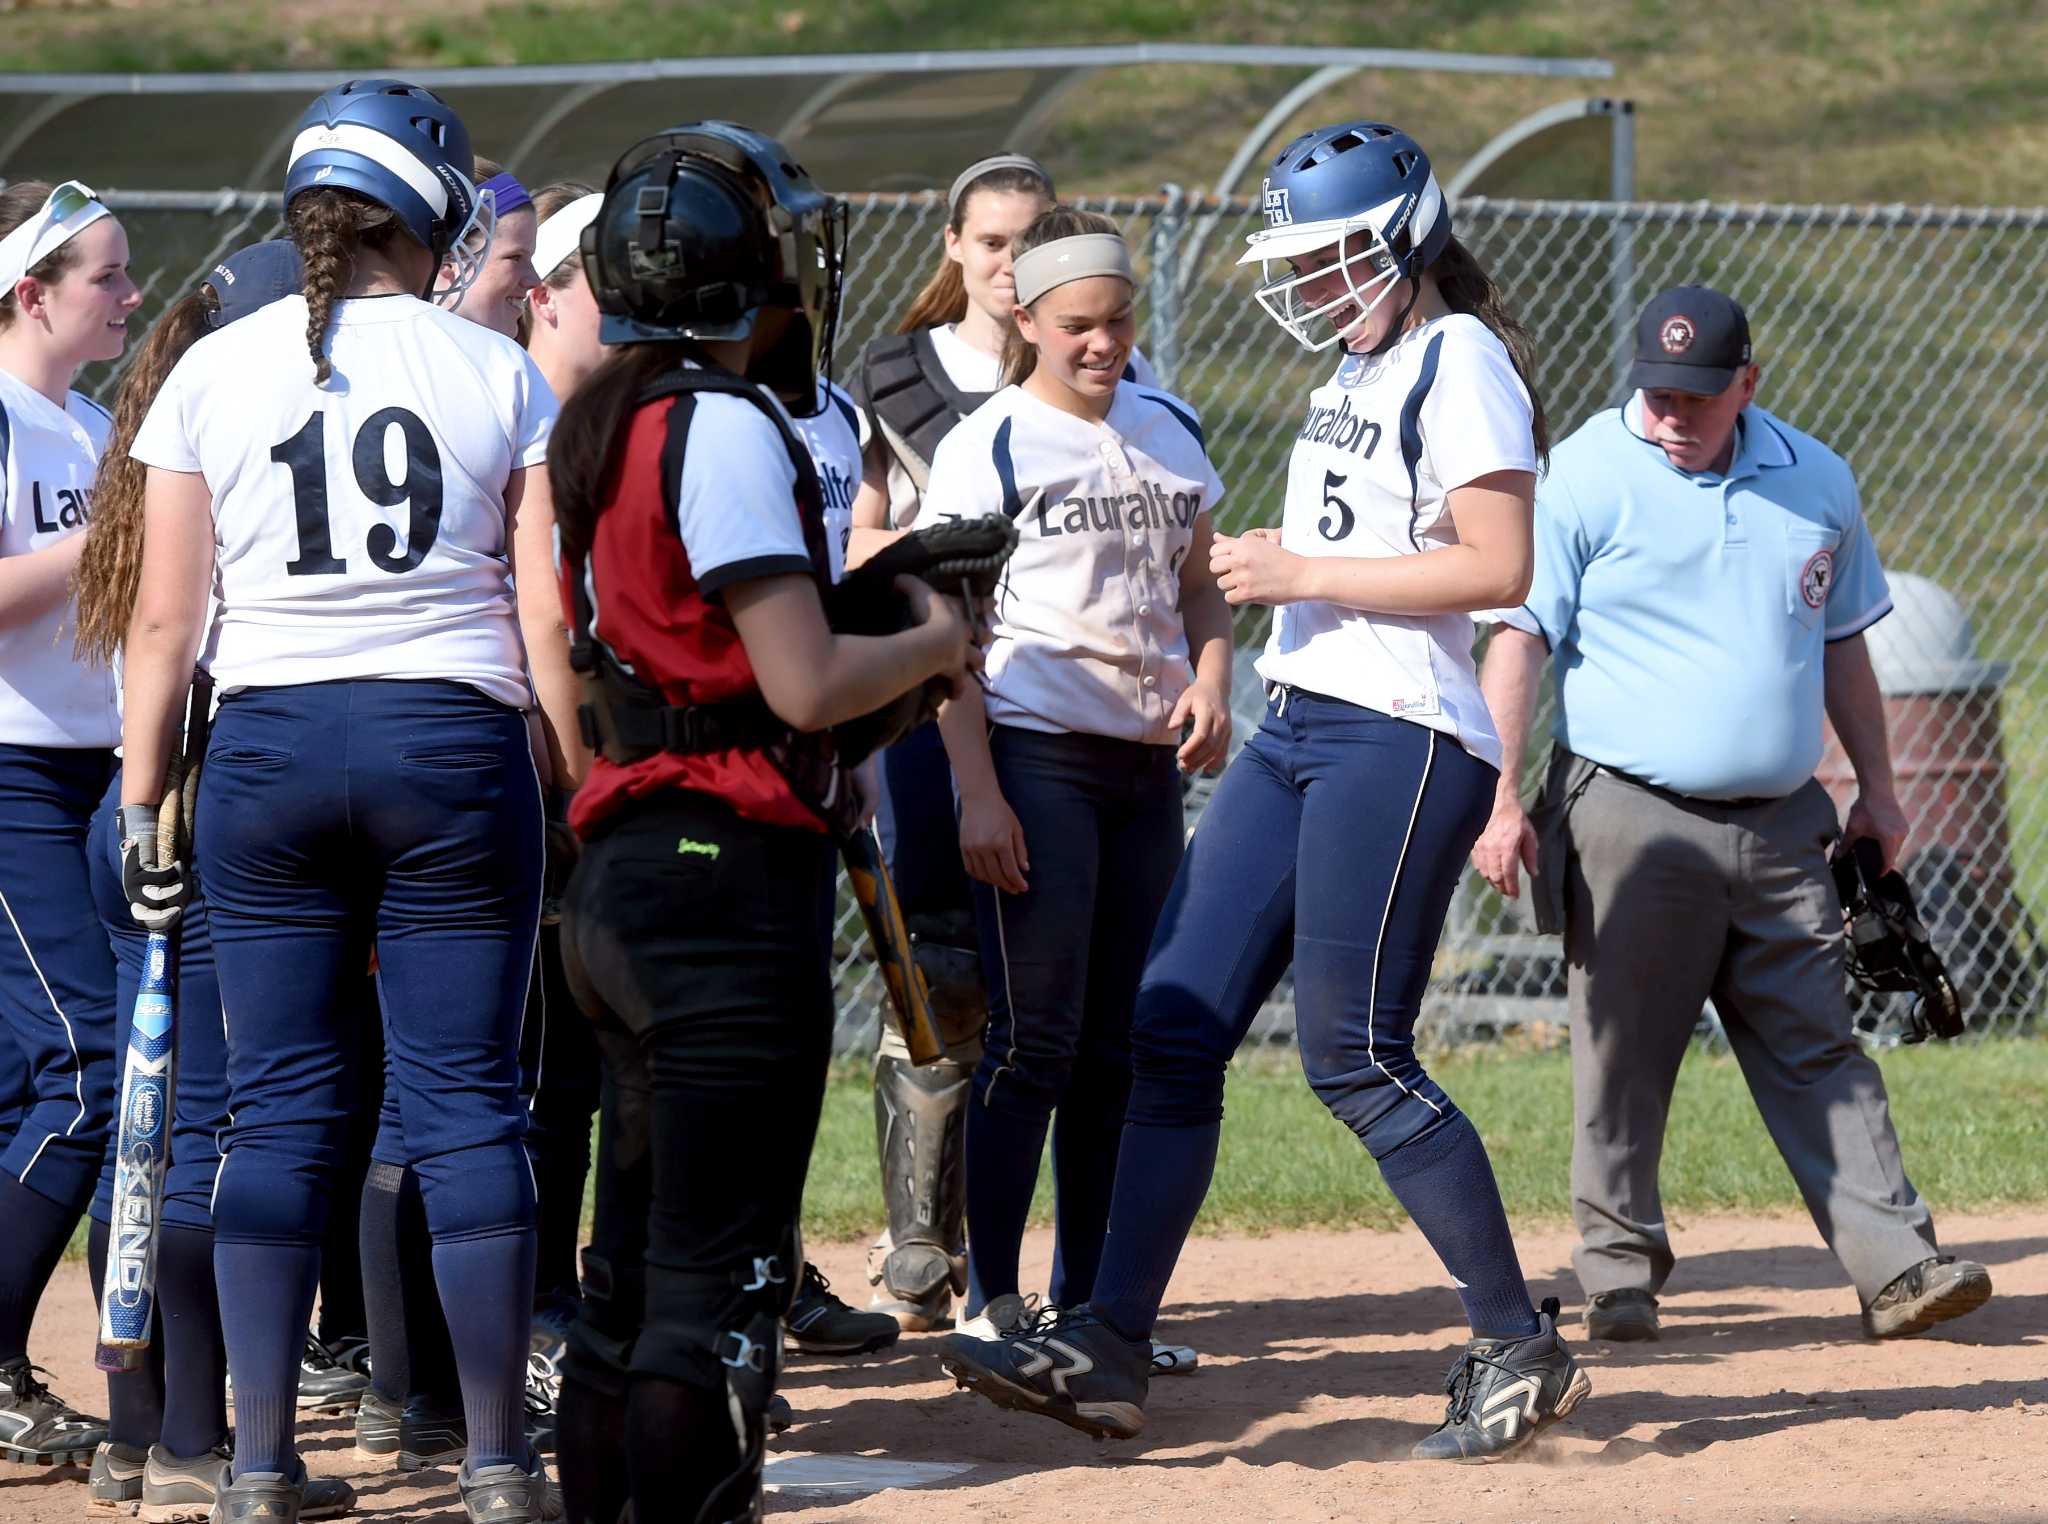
x,y
670,698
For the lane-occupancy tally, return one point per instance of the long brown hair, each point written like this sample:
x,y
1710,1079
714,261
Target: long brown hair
x,y
330,227
582,452
110,566
1466,287
19,202
944,297
1020,357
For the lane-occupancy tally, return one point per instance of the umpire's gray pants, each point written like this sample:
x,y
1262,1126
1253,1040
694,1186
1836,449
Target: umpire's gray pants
x,y
1666,903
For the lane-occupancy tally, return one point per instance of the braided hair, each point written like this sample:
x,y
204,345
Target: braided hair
x,y
329,226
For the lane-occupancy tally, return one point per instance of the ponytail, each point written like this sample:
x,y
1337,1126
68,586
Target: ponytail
x,y
1020,357
110,566
944,297
329,227
583,451
1466,287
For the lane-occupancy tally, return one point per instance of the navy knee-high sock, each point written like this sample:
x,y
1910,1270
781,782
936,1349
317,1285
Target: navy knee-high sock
x,y
1444,1181
383,1295
487,1290
37,1231
195,1361
1003,1155
1162,1176
270,1289
1087,1130
431,1358
135,1398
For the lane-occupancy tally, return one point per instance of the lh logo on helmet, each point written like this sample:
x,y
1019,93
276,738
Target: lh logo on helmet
x,y
1676,335
1278,214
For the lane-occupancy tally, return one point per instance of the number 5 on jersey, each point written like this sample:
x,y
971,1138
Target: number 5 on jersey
x,y
305,456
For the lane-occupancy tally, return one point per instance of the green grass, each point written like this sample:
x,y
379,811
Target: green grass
x,y
1879,100
1970,1120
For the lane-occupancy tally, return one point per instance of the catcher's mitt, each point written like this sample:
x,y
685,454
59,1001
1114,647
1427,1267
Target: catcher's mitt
x,y
961,557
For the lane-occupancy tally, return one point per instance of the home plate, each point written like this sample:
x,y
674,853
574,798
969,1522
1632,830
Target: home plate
x,y
852,1475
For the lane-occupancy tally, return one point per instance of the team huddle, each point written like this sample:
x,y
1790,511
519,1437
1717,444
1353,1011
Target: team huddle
x,y
435,702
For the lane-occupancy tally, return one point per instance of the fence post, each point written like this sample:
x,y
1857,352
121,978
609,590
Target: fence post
x,y
1621,239
1162,326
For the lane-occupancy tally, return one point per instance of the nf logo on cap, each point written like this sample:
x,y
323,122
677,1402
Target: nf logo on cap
x,y
1278,214
1677,335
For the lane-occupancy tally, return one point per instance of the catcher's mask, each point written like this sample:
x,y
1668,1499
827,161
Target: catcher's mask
x,y
704,225
1888,948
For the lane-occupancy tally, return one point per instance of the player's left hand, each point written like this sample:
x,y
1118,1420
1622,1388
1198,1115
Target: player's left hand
x,y
1208,741
1879,817
1253,568
156,896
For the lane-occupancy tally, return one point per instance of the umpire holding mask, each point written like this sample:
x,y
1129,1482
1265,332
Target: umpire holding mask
x,y
1703,581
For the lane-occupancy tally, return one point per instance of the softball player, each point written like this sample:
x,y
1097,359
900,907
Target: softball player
x,y
1111,641
1338,834
697,926
943,361
65,299
495,294
168,1443
348,474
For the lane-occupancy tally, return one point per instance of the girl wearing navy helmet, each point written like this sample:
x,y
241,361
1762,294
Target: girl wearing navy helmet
x,y
1337,836
697,926
65,299
168,1441
346,469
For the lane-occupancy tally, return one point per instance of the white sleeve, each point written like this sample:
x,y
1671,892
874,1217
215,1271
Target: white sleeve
x,y
736,505
972,476
535,419
1476,418
165,440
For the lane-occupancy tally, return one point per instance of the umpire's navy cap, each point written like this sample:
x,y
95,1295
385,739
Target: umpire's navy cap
x,y
255,277
1690,339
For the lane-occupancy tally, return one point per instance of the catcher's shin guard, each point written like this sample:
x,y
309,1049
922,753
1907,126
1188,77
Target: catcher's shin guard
x,y
920,1265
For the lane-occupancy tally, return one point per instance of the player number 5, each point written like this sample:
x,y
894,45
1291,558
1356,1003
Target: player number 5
x,y
1345,519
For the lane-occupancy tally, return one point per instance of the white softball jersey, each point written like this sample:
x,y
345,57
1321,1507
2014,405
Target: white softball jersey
x,y
359,528
47,696
1087,625
833,438
971,370
1385,442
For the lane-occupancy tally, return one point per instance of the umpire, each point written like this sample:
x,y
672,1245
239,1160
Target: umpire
x,y
1703,580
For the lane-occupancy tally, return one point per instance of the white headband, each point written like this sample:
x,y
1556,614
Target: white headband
x,y
1037,271
43,235
559,236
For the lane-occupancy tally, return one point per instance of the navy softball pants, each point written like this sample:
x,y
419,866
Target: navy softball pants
x,y
56,975
1334,841
331,816
1103,828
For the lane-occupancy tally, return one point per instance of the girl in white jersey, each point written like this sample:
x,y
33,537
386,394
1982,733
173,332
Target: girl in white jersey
x,y
943,361
346,470
1338,835
1111,641
65,298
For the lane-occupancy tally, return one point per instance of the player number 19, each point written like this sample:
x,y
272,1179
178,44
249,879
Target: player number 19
x,y
305,456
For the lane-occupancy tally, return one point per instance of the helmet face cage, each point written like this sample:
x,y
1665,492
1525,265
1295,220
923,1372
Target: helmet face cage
x,y
1280,297
814,257
464,263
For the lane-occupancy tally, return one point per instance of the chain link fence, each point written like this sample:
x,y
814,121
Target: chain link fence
x,y
1909,339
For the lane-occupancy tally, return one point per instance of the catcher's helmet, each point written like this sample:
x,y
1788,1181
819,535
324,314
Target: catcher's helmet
x,y
404,148
1328,186
702,227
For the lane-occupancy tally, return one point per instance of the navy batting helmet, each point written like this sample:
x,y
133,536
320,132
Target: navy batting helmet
x,y
405,149
1329,187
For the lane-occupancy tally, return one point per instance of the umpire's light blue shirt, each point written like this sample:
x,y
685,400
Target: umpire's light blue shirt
x,y
1687,615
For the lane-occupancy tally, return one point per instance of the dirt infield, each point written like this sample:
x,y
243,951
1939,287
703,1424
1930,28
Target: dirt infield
x,y
1323,1356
